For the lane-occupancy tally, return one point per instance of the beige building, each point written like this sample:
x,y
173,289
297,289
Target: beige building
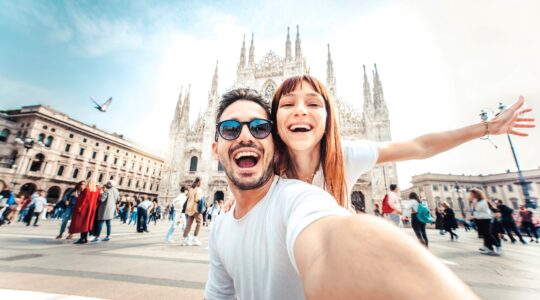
x,y
66,151
453,188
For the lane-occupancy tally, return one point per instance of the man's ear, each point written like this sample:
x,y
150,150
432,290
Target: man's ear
x,y
214,150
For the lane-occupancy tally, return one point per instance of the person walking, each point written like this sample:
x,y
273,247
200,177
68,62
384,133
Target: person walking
x,y
142,215
450,222
507,221
69,201
195,195
483,215
82,219
177,218
439,220
133,213
527,222
39,204
419,218
391,205
106,210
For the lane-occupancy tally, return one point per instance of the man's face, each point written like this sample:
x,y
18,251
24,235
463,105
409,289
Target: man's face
x,y
247,161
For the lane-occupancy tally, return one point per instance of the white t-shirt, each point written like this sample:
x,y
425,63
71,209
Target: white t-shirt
x,y
253,257
358,158
146,204
39,204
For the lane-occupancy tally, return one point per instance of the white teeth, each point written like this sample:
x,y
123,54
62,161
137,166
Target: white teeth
x,y
297,126
245,154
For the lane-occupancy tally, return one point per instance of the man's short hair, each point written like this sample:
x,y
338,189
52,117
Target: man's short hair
x,y
183,189
393,187
241,94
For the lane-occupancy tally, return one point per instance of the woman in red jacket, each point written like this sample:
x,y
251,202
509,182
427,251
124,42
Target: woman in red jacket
x,y
84,211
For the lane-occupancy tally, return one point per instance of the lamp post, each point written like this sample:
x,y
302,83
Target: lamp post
x,y
521,180
460,200
27,143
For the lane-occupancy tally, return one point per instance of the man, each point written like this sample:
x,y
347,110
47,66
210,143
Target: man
x,y
39,203
106,209
177,217
285,239
527,224
393,202
507,220
142,215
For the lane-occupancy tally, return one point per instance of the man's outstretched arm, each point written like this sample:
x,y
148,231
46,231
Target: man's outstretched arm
x,y
364,257
434,143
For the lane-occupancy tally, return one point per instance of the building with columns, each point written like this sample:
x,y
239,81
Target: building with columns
x,y
189,150
453,188
66,151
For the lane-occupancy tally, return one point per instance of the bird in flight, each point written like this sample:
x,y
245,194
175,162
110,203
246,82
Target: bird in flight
x,y
102,107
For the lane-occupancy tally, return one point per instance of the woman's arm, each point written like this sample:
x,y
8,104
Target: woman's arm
x,y
434,143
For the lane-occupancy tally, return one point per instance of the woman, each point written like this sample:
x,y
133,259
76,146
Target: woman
x,y
450,222
309,148
418,226
439,220
482,215
70,201
194,196
84,211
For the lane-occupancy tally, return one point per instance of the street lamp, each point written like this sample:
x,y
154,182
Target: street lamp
x,y
27,143
460,200
521,180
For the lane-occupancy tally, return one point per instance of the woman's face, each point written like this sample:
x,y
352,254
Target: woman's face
x,y
301,118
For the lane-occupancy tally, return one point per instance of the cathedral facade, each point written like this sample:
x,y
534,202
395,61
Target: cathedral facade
x,y
189,149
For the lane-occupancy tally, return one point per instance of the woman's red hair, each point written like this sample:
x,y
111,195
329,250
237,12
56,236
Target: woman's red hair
x,y
331,155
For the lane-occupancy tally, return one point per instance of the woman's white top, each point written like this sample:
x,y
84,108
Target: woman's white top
x,y
358,157
482,210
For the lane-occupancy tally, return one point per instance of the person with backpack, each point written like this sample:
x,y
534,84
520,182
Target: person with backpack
x,y
507,221
70,199
390,205
450,222
194,212
419,217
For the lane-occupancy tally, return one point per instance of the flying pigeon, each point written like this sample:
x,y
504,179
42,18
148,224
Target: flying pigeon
x,y
103,107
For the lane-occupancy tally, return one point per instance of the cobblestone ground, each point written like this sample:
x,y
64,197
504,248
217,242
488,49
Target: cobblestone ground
x,y
34,265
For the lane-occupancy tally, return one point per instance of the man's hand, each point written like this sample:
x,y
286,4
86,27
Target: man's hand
x,y
511,119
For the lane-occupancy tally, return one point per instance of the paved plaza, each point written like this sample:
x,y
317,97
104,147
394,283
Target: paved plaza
x,y
33,265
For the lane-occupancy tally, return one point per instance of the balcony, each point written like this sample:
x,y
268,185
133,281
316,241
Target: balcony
x,y
6,165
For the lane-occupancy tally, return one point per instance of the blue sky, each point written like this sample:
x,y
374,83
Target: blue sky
x,y
440,61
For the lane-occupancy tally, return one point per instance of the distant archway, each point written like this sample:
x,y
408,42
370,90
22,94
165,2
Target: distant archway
x,y
28,189
53,194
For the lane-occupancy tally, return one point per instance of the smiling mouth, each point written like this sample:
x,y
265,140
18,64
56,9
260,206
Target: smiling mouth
x,y
246,159
300,128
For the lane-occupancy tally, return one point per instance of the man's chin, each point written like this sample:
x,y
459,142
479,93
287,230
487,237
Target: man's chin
x,y
249,181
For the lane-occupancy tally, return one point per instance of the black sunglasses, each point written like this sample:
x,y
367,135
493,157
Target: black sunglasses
x,y
230,129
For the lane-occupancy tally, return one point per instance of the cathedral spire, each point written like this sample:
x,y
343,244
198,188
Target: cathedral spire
x,y
251,62
185,112
367,93
178,111
378,95
330,78
288,55
213,91
298,47
242,63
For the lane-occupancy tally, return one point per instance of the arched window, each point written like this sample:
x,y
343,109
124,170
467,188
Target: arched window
x,y
193,164
37,162
75,173
89,174
4,135
219,166
48,141
100,178
60,171
450,202
41,137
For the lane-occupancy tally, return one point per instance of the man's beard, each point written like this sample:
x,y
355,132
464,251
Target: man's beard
x,y
251,186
